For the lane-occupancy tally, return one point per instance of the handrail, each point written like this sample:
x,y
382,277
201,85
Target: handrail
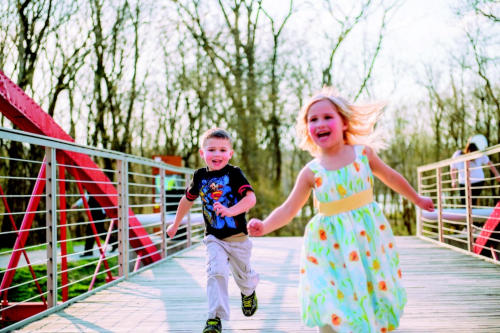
x,y
53,233
463,220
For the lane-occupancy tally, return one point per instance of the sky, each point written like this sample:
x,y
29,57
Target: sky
x,y
421,31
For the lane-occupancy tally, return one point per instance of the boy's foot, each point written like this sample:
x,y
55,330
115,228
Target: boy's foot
x,y
249,304
213,326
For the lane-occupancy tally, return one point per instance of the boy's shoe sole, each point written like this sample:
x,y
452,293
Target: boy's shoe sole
x,y
213,326
249,304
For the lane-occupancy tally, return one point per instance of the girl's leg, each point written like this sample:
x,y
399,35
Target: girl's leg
x,y
476,192
325,329
217,279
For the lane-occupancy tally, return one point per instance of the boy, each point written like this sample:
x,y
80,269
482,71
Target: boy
x,y
226,196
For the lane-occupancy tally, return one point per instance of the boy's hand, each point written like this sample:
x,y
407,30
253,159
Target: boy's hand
x,y
222,210
425,203
171,231
255,227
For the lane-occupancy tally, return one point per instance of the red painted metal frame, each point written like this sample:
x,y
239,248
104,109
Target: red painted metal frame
x,y
23,112
490,226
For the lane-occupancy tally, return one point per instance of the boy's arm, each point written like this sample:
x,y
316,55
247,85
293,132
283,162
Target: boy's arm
x,y
244,205
184,207
396,181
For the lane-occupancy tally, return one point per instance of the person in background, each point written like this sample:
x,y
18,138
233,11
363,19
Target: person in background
x,y
476,173
98,216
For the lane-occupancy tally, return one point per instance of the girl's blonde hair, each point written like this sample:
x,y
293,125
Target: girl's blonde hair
x,y
360,120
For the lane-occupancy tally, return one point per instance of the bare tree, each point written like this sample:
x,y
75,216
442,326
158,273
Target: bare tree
x,y
274,121
232,53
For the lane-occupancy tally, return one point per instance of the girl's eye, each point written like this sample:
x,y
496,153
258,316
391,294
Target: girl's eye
x,y
312,119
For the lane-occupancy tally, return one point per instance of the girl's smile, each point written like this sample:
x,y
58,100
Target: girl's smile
x,y
325,124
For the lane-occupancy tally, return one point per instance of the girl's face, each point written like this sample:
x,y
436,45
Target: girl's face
x,y
325,124
216,153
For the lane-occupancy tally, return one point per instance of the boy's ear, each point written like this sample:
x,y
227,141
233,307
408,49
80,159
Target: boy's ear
x,y
231,153
201,152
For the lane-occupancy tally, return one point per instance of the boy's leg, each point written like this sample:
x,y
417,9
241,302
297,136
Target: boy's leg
x,y
246,278
217,279
239,260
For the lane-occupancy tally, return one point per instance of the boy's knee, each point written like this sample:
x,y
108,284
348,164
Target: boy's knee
x,y
217,268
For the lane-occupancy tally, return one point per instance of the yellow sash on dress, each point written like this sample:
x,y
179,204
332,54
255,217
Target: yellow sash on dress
x,y
345,204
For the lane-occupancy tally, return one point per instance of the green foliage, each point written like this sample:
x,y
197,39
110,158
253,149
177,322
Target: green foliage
x,y
29,290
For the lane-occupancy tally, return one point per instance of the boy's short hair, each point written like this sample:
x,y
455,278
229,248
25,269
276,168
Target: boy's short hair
x,y
217,133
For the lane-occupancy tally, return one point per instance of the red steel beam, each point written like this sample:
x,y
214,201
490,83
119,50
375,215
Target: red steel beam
x,y
22,111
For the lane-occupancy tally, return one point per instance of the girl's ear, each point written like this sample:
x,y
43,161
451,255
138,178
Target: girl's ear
x,y
345,123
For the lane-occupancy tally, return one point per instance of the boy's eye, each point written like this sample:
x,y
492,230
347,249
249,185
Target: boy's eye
x,y
312,119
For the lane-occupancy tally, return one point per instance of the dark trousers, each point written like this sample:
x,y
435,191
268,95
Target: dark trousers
x,y
97,216
475,193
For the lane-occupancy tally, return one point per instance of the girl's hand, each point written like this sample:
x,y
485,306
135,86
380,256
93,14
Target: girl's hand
x,y
255,227
425,203
171,231
222,210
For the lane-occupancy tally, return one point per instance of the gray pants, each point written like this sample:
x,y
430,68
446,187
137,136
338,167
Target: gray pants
x,y
222,256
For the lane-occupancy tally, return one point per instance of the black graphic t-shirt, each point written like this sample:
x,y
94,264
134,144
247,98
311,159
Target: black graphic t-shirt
x,y
227,186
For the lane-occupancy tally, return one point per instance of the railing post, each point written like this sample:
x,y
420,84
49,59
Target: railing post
x,y
468,206
419,212
439,204
163,211
188,226
51,223
123,230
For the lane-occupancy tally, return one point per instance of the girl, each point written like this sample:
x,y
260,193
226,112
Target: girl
x,y
350,279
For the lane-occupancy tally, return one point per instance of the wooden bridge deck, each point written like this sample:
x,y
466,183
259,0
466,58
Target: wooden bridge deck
x,y
447,292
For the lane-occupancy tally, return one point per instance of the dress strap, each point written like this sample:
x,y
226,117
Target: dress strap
x,y
315,166
358,149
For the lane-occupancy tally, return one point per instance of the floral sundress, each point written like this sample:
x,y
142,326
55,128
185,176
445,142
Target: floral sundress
x,y
349,276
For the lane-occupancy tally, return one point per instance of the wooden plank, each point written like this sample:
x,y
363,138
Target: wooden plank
x,y
447,292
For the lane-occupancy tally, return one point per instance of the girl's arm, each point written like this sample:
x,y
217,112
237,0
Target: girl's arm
x,y
287,211
184,207
244,205
453,175
396,181
494,171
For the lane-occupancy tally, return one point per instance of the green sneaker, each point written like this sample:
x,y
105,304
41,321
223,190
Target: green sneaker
x,y
213,326
249,304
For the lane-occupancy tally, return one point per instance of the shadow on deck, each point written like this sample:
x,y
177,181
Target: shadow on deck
x,y
447,292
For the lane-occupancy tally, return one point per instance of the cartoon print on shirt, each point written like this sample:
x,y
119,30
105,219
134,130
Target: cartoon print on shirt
x,y
217,190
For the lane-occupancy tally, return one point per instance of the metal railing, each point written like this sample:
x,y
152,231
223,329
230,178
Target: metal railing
x,y
467,216
48,259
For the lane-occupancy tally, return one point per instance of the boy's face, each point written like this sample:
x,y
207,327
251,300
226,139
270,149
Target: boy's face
x,y
216,153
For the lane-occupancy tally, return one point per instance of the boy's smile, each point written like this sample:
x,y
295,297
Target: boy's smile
x,y
216,153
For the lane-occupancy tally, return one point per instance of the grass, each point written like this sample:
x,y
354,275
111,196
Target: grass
x,y
85,273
